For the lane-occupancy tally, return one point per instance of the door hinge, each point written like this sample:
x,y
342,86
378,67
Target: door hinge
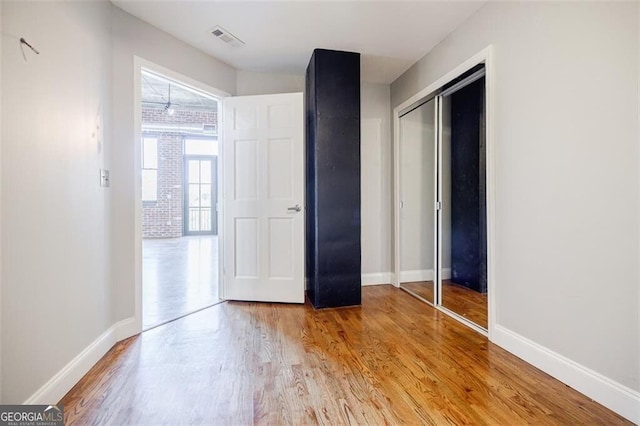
x,y
438,205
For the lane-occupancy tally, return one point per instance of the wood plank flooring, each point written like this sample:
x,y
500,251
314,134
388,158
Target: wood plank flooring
x,y
459,299
393,360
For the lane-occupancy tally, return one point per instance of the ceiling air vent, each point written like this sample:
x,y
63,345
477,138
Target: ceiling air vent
x,y
226,36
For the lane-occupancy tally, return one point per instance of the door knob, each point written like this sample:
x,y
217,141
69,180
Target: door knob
x,y
295,208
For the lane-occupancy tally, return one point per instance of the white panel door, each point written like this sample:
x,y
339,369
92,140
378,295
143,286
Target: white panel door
x,y
263,198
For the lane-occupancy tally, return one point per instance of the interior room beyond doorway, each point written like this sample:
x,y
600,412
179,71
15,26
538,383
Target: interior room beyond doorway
x,y
179,147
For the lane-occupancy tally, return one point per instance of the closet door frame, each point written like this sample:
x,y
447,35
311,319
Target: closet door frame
x,y
424,95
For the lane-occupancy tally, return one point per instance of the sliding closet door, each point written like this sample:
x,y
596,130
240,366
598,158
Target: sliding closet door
x,y
463,218
417,194
443,199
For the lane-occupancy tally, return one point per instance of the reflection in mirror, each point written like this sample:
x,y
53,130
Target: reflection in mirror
x,y
417,194
463,195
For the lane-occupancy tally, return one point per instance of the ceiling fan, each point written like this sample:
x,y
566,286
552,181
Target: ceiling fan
x,y
168,106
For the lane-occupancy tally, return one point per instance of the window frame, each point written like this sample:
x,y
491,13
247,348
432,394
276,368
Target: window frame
x,y
143,168
213,138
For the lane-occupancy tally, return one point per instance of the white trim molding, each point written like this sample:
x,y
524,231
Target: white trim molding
x,y
377,278
611,394
65,379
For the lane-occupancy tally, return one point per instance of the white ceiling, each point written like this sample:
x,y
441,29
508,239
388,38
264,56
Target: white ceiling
x,y
280,36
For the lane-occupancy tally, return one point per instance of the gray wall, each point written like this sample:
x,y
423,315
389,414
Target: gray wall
x,y
56,108
376,182
1,133
255,83
566,152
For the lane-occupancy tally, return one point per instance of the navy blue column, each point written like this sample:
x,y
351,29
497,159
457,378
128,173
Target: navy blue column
x,y
468,188
333,265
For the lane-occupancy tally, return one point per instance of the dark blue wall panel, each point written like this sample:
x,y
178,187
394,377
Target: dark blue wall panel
x,y
333,265
468,188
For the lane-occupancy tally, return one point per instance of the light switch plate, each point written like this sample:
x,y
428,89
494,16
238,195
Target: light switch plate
x,y
104,178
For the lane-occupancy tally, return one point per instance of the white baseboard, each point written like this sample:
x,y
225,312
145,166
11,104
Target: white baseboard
x,y
377,278
416,275
127,328
422,275
611,394
62,382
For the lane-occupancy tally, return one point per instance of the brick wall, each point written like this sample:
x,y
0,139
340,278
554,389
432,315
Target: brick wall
x,y
163,218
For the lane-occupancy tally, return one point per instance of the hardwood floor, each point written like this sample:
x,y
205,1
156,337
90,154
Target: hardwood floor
x,y
461,300
393,360
423,289
179,276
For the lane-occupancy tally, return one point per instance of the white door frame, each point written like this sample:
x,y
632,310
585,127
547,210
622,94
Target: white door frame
x,y
138,65
482,57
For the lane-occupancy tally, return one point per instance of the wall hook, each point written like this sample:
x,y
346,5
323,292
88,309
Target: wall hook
x,y
24,42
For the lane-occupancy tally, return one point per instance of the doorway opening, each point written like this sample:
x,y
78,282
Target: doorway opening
x,y
179,187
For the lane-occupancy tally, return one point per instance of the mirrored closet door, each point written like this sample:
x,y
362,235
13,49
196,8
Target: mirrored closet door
x,y
443,199
463,217
417,192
